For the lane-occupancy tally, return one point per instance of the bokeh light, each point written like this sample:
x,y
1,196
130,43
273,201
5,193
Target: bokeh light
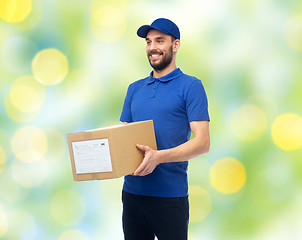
x,y
200,203
248,122
50,66
26,95
293,32
67,207
29,144
24,99
108,20
13,11
2,159
227,175
17,115
73,235
65,67
287,131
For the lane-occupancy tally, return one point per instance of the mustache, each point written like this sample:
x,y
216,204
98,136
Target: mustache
x,y
155,52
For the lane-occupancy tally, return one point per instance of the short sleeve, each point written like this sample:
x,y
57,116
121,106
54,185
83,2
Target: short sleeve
x,y
126,112
197,102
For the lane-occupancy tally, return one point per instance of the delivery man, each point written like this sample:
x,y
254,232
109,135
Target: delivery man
x,y
155,197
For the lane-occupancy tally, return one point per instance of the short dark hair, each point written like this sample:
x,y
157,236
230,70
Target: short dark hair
x,y
172,38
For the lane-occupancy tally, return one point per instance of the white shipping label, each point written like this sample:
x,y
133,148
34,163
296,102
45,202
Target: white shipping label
x,y
92,156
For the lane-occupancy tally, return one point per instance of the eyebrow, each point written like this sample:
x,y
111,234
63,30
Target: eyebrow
x,y
156,38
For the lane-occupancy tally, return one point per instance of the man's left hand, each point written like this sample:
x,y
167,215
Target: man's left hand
x,y
150,161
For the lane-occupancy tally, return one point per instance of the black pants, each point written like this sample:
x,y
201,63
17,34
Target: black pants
x,y
146,217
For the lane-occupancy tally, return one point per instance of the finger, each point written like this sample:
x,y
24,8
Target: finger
x,y
138,172
143,173
142,147
146,172
140,169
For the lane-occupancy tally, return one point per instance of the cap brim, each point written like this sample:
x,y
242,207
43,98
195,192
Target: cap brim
x,y
143,30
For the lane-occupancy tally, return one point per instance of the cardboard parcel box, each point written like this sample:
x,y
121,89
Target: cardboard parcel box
x,y
109,152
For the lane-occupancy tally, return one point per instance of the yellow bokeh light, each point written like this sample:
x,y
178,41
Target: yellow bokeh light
x,y
3,222
29,144
33,18
200,203
73,235
26,95
108,23
67,207
24,99
227,175
50,66
287,131
13,11
293,32
2,159
17,115
248,122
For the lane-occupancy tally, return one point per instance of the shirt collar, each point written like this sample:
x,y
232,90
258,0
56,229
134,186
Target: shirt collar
x,y
172,75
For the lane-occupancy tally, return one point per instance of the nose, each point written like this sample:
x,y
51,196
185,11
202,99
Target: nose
x,y
152,46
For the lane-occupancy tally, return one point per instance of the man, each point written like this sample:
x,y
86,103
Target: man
x,y
155,197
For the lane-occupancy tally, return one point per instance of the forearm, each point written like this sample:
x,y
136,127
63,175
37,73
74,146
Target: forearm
x,y
198,145
186,151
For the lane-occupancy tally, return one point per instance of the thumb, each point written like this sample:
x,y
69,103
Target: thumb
x,y
142,147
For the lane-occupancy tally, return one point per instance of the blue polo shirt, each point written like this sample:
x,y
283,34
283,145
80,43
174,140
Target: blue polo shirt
x,y
172,102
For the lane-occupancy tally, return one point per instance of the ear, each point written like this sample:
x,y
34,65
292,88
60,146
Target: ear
x,y
176,45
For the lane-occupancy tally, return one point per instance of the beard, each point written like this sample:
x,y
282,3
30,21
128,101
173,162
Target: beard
x,y
164,62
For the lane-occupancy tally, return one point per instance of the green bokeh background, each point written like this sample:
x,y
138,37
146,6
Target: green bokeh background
x,y
243,53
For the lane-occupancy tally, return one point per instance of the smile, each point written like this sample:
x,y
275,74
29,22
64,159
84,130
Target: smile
x,y
154,56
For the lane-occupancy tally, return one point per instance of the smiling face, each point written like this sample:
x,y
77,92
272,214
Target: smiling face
x,y
160,49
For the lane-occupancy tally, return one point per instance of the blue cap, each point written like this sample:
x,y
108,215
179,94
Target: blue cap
x,y
161,24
